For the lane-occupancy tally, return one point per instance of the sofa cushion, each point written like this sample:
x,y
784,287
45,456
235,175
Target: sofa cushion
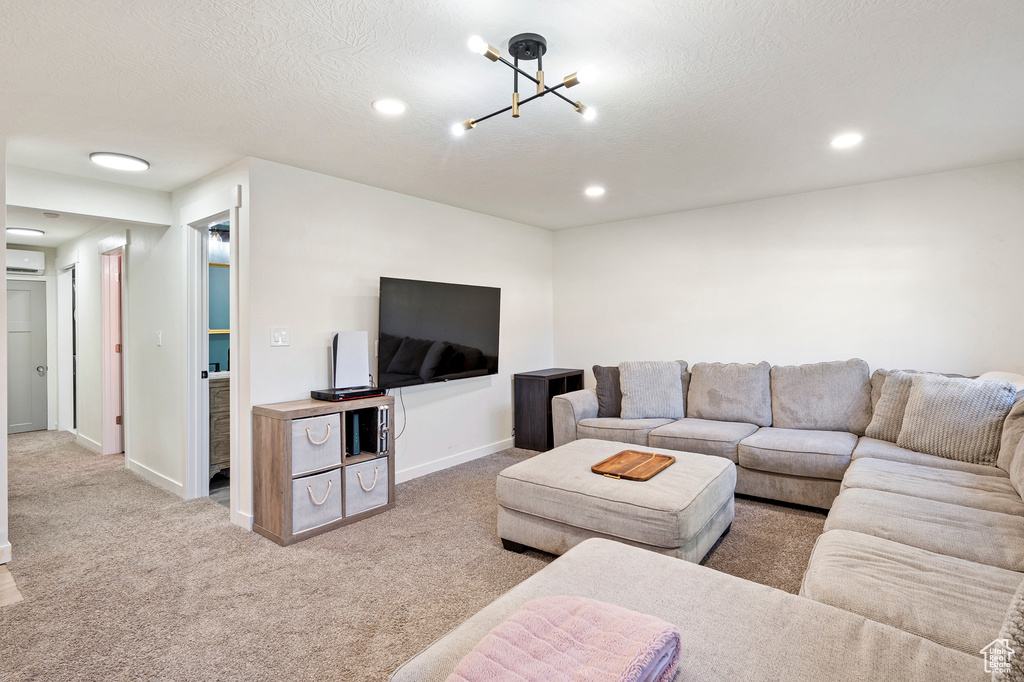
x,y
609,395
734,392
955,487
651,390
880,449
1013,631
959,419
951,601
798,452
622,430
1013,431
731,629
887,417
973,534
702,436
1017,469
828,396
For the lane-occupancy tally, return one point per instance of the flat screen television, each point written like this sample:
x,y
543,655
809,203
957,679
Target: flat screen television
x,y
432,332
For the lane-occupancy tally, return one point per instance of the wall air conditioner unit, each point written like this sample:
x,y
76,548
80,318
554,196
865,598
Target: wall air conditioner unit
x,y
26,262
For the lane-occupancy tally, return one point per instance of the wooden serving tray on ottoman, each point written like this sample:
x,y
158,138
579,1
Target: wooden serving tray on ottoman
x,y
633,465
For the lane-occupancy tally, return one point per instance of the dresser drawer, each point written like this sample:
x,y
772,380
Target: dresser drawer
x,y
366,485
316,443
316,500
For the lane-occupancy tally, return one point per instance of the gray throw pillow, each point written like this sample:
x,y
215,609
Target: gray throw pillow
x,y
1013,632
959,419
651,390
734,392
887,419
609,395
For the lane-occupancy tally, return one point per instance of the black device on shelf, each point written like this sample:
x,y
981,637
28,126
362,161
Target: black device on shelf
x,y
433,331
338,394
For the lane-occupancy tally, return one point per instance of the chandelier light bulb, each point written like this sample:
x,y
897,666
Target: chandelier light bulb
x,y
588,74
458,130
847,140
478,45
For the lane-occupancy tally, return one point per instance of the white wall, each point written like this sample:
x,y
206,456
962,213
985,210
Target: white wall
x,y
5,545
206,192
922,272
47,191
318,248
140,375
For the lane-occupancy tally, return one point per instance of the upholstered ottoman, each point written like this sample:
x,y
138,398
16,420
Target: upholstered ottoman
x,y
553,502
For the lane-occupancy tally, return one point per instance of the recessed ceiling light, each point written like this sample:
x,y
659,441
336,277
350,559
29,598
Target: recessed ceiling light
x,y
390,107
594,191
847,140
119,161
25,232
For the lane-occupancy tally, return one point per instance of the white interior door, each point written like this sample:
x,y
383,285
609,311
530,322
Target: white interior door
x,y
113,369
65,351
26,356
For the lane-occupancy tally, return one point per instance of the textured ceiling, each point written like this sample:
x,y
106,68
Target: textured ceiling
x,y
700,103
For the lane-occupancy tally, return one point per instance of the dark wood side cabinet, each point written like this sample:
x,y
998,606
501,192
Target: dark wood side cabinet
x,y
533,392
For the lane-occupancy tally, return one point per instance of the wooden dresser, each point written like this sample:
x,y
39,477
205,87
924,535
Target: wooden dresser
x,y
220,424
314,472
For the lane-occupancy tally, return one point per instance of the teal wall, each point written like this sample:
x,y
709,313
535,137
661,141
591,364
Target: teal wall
x,y
219,316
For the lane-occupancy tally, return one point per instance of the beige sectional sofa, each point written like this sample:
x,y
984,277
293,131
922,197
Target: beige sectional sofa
x,y
791,430
919,569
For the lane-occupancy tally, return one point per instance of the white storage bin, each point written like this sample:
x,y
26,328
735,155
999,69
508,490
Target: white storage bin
x,y
316,500
366,485
316,443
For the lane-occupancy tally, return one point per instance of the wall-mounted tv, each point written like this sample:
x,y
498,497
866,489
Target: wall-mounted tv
x,y
432,332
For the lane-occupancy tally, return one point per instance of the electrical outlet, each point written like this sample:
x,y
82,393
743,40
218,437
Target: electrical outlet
x,y
279,336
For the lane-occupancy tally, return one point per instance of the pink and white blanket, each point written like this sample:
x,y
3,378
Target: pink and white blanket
x,y
563,639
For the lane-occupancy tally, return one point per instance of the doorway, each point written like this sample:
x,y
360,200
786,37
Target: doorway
x,y
218,314
26,356
113,353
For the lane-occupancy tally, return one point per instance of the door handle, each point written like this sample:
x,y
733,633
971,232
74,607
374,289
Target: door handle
x,y
41,369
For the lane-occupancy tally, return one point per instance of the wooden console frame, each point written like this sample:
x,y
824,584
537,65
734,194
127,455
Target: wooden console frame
x,y
272,464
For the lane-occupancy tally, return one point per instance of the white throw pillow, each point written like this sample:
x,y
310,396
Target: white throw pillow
x,y
651,390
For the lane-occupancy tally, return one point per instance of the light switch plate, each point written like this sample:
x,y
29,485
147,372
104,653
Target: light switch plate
x,y
279,336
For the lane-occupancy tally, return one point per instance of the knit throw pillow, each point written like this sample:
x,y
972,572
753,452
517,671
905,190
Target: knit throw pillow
x,y
1013,633
651,390
960,419
887,418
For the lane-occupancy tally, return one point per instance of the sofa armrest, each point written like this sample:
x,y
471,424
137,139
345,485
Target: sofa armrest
x,y
568,409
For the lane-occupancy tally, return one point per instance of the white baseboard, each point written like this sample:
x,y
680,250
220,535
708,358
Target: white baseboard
x,y
89,444
5,552
156,478
240,519
450,461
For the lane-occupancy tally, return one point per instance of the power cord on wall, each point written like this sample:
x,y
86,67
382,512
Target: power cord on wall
x,y
405,417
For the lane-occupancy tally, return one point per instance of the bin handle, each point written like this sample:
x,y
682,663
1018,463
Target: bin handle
x,y
309,489
319,442
373,485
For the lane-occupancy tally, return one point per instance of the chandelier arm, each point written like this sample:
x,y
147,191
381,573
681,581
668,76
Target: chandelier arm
x,y
546,88
492,115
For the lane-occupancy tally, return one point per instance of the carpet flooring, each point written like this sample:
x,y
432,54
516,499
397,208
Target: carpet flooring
x,y
124,581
